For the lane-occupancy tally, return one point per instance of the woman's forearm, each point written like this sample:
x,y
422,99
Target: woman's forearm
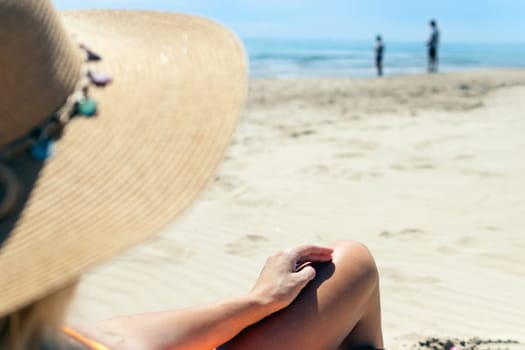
x,y
203,327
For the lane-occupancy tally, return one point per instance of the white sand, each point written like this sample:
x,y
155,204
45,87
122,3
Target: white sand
x,y
428,171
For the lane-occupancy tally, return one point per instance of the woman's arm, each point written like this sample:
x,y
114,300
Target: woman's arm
x,y
209,326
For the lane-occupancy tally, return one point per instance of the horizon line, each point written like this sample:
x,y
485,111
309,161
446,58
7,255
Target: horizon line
x,y
372,38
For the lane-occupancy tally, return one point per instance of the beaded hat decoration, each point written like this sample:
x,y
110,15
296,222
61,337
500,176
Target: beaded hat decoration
x,y
40,141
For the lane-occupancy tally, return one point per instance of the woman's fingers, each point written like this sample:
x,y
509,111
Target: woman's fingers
x,y
310,253
311,249
305,275
316,258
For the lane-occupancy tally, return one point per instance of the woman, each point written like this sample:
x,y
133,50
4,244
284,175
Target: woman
x,y
117,178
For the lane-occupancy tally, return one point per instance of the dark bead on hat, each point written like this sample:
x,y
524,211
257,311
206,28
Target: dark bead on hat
x,y
36,133
92,56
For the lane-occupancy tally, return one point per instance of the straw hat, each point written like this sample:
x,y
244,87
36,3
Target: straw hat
x,y
117,178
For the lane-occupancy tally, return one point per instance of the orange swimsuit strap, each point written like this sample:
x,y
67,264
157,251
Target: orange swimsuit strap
x,y
90,344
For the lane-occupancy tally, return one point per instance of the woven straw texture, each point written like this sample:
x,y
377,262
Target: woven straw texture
x,y
179,85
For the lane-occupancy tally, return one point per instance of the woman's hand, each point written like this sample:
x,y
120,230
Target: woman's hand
x,y
286,273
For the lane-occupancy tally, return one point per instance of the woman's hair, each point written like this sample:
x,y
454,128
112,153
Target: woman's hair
x,y
37,325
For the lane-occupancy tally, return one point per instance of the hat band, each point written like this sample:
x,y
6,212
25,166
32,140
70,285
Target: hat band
x,y
11,190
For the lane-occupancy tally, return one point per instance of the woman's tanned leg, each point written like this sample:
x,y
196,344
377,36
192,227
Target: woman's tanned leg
x,y
338,310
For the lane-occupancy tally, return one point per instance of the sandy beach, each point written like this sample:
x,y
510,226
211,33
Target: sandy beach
x,y
428,171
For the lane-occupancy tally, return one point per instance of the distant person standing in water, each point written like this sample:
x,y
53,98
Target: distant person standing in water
x,y
379,51
433,44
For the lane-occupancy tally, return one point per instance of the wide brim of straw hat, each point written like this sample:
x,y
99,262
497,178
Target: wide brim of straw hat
x,y
163,125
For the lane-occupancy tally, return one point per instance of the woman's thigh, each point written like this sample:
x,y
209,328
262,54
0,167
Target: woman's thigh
x,y
325,312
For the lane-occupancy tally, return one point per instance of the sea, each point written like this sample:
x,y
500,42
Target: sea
x,y
288,58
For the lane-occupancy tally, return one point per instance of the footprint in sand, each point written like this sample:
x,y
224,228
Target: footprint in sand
x,y
228,183
435,142
447,250
491,228
421,162
348,155
351,117
162,249
297,134
401,277
246,245
358,176
361,145
467,241
464,157
381,127
321,169
482,173
407,232
414,163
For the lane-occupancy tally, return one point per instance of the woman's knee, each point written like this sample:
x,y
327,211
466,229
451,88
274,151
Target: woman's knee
x,y
354,258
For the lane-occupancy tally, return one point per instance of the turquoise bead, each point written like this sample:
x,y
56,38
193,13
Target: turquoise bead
x,y
87,107
43,150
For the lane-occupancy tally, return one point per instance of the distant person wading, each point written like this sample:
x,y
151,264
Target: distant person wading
x,y
379,52
433,43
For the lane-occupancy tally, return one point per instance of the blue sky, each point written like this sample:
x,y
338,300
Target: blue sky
x,y
400,20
